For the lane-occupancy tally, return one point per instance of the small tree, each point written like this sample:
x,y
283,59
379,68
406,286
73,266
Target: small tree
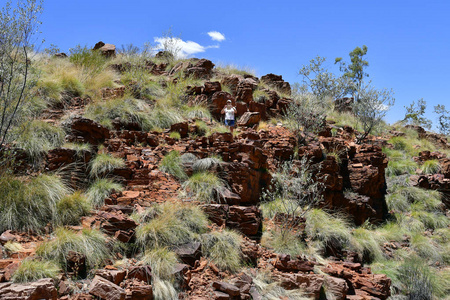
x,y
443,118
17,27
296,189
305,114
355,70
371,108
322,83
415,114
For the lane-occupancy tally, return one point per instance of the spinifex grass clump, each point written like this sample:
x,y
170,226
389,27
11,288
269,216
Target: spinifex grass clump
x,y
101,189
38,137
71,208
32,270
170,224
161,260
29,205
103,164
223,248
202,186
172,164
89,242
127,110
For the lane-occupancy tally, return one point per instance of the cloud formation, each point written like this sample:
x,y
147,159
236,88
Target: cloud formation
x,y
216,36
180,48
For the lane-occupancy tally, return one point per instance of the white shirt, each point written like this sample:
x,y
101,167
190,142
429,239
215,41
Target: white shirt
x,y
229,113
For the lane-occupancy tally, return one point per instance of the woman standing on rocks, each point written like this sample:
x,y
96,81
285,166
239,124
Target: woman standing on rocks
x,y
229,110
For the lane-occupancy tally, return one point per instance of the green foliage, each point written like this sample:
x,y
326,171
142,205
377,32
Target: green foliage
x,y
12,247
79,147
355,70
86,58
424,247
103,164
32,270
196,112
164,117
162,261
163,290
29,205
202,128
415,114
171,163
175,135
71,208
294,191
326,228
260,96
90,242
128,111
431,166
170,224
400,167
229,69
206,164
38,137
416,280
443,118
18,23
305,114
223,248
101,189
202,186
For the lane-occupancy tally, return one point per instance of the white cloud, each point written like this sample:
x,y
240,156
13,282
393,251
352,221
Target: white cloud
x,y
216,36
181,48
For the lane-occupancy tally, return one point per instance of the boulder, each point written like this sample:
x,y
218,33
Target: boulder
x,y
311,284
211,87
246,219
38,290
232,82
115,276
284,263
277,82
140,292
227,288
249,119
337,288
59,157
217,102
200,69
108,50
143,273
344,104
105,289
189,253
88,131
182,128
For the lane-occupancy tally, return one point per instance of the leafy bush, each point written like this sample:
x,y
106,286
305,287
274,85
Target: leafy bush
x,y
162,262
175,135
171,163
32,270
103,164
29,205
38,137
101,189
223,248
170,225
90,242
71,208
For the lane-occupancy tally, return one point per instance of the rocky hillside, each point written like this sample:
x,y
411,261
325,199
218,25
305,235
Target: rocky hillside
x,y
124,184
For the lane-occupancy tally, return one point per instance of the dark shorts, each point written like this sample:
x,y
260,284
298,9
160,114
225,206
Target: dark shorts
x,y
229,122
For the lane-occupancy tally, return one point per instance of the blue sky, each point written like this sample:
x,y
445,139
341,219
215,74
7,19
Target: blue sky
x,y
408,41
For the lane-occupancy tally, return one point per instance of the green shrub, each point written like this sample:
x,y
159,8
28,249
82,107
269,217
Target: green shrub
x,y
202,128
12,247
164,290
223,248
170,224
416,280
90,242
38,137
260,96
71,208
162,262
32,270
326,228
431,220
203,186
101,189
424,247
171,163
87,58
431,166
29,205
103,164
79,147
188,158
